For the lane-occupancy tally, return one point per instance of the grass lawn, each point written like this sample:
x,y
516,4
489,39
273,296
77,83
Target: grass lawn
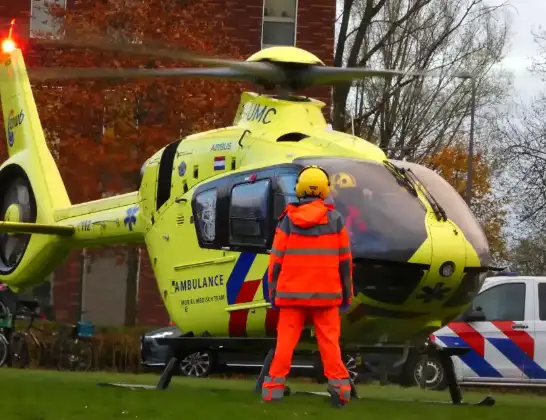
x,y
40,395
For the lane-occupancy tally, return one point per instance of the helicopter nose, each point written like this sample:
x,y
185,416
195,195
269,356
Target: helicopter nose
x,y
387,282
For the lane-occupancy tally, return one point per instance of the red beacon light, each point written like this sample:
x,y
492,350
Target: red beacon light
x,y
252,178
8,46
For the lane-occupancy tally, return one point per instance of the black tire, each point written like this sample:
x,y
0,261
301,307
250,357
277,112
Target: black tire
x,y
197,365
435,373
4,349
75,355
19,354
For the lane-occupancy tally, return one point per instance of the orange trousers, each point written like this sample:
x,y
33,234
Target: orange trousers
x,y
327,322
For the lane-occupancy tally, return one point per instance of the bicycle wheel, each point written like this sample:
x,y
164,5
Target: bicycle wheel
x,y
75,355
19,350
4,348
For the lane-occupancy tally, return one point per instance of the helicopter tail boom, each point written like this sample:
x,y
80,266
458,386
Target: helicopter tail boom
x,y
31,187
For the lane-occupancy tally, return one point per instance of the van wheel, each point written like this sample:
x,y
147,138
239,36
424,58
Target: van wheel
x,y
198,365
351,364
435,378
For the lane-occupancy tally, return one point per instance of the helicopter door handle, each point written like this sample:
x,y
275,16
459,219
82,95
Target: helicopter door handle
x,y
519,326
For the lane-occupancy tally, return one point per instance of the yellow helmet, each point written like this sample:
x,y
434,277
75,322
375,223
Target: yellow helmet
x,y
313,181
343,180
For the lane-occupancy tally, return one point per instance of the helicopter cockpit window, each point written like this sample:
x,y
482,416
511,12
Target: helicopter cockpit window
x,y
249,214
205,208
385,221
454,206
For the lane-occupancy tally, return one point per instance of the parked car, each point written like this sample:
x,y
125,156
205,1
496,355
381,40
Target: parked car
x,y
505,331
204,363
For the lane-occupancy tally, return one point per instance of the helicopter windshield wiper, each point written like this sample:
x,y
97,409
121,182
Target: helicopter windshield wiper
x,y
401,177
436,207
408,179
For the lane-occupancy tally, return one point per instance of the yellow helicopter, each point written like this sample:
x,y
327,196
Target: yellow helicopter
x,y
207,204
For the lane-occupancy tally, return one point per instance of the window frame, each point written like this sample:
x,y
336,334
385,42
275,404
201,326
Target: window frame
x,y
196,221
279,19
494,286
540,318
267,218
31,30
224,186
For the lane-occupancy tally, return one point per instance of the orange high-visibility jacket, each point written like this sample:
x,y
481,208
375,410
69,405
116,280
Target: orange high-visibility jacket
x,y
310,262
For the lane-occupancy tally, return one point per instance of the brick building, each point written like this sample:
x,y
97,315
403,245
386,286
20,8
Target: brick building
x,y
98,282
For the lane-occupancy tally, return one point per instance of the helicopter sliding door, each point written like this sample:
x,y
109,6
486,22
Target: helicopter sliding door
x,y
248,204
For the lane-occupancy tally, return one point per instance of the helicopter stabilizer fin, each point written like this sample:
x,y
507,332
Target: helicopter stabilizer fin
x,y
31,187
36,228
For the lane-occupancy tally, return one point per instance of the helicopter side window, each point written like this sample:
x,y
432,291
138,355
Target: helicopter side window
x,y
205,209
249,214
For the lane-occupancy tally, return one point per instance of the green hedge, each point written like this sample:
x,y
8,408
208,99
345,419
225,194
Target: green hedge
x,y
114,349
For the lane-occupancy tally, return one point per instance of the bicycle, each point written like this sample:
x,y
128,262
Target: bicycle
x,y
6,323
75,349
19,340
70,350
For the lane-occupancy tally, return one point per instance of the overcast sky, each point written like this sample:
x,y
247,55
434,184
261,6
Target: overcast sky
x,y
525,15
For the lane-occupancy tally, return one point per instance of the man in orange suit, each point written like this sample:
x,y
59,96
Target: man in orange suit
x,y
310,275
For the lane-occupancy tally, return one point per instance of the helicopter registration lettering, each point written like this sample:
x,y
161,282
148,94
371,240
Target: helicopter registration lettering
x,y
198,283
205,299
256,112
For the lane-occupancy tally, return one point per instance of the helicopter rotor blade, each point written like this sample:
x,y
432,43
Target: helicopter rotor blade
x,y
327,75
63,73
148,50
159,51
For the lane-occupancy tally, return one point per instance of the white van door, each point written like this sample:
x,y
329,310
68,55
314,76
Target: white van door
x,y
535,366
501,338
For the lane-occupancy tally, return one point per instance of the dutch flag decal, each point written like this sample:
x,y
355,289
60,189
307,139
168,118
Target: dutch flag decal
x,y
219,163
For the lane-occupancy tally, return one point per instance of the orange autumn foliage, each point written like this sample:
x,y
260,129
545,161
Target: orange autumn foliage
x,y
102,132
452,164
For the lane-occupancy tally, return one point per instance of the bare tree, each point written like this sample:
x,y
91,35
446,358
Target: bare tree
x,y
413,117
528,256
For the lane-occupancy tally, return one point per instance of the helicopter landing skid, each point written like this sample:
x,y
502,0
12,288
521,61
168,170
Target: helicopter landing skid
x,y
455,392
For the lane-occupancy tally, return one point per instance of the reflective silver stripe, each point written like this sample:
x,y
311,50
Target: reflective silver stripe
x,y
344,250
335,225
277,252
275,275
345,275
345,395
275,380
272,393
285,224
312,251
339,382
306,295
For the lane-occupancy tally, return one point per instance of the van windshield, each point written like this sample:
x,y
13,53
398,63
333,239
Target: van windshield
x,y
385,220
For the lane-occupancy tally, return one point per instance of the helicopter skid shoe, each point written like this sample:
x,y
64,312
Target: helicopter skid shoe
x,y
453,385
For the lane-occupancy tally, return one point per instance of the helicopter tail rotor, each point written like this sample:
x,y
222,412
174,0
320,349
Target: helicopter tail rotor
x,y
31,188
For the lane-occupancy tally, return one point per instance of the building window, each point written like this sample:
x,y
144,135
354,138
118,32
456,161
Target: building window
x,y
41,21
279,23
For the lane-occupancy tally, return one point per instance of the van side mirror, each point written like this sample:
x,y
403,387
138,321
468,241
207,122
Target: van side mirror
x,y
474,315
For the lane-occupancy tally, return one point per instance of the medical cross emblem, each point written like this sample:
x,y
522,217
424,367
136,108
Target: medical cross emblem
x,y
130,217
438,292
